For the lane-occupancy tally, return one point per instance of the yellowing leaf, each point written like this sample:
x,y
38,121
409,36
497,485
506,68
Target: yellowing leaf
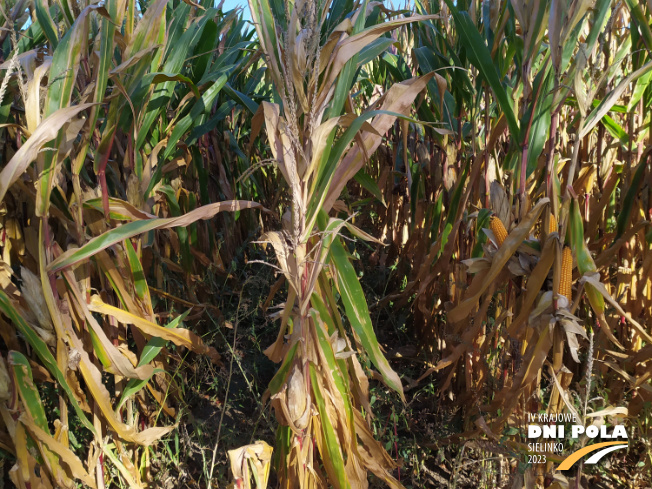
x,y
178,336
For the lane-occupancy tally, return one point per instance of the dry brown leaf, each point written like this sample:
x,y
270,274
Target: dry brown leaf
x,y
398,99
28,152
250,460
75,467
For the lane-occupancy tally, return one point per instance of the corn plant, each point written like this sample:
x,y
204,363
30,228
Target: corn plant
x,y
313,50
493,157
548,117
517,225
100,191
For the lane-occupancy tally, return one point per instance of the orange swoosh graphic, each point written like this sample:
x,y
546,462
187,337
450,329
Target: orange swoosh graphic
x,y
574,457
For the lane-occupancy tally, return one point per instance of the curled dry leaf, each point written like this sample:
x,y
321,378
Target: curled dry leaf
x,y
250,461
594,280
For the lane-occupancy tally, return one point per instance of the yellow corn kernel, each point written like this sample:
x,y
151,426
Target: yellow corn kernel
x,y
566,281
553,226
498,228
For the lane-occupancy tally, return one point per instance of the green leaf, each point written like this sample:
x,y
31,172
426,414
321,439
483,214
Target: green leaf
x,y
134,228
202,106
170,77
347,75
609,101
65,63
358,314
172,68
600,17
47,24
370,185
374,49
480,57
241,98
330,439
28,391
482,222
641,85
542,118
137,272
63,75
585,263
42,351
279,378
327,350
454,206
151,349
625,214
641,22
616,130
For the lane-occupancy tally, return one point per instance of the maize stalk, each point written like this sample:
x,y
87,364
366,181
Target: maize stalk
x,y
498,228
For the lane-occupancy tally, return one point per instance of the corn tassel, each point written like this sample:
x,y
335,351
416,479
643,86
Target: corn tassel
x,y
498,228
566,281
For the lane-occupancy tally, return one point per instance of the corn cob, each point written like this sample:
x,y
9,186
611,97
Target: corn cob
x,y
553,226
498,228
565,283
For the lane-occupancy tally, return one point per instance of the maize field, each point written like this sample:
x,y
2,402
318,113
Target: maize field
x,y
325,243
